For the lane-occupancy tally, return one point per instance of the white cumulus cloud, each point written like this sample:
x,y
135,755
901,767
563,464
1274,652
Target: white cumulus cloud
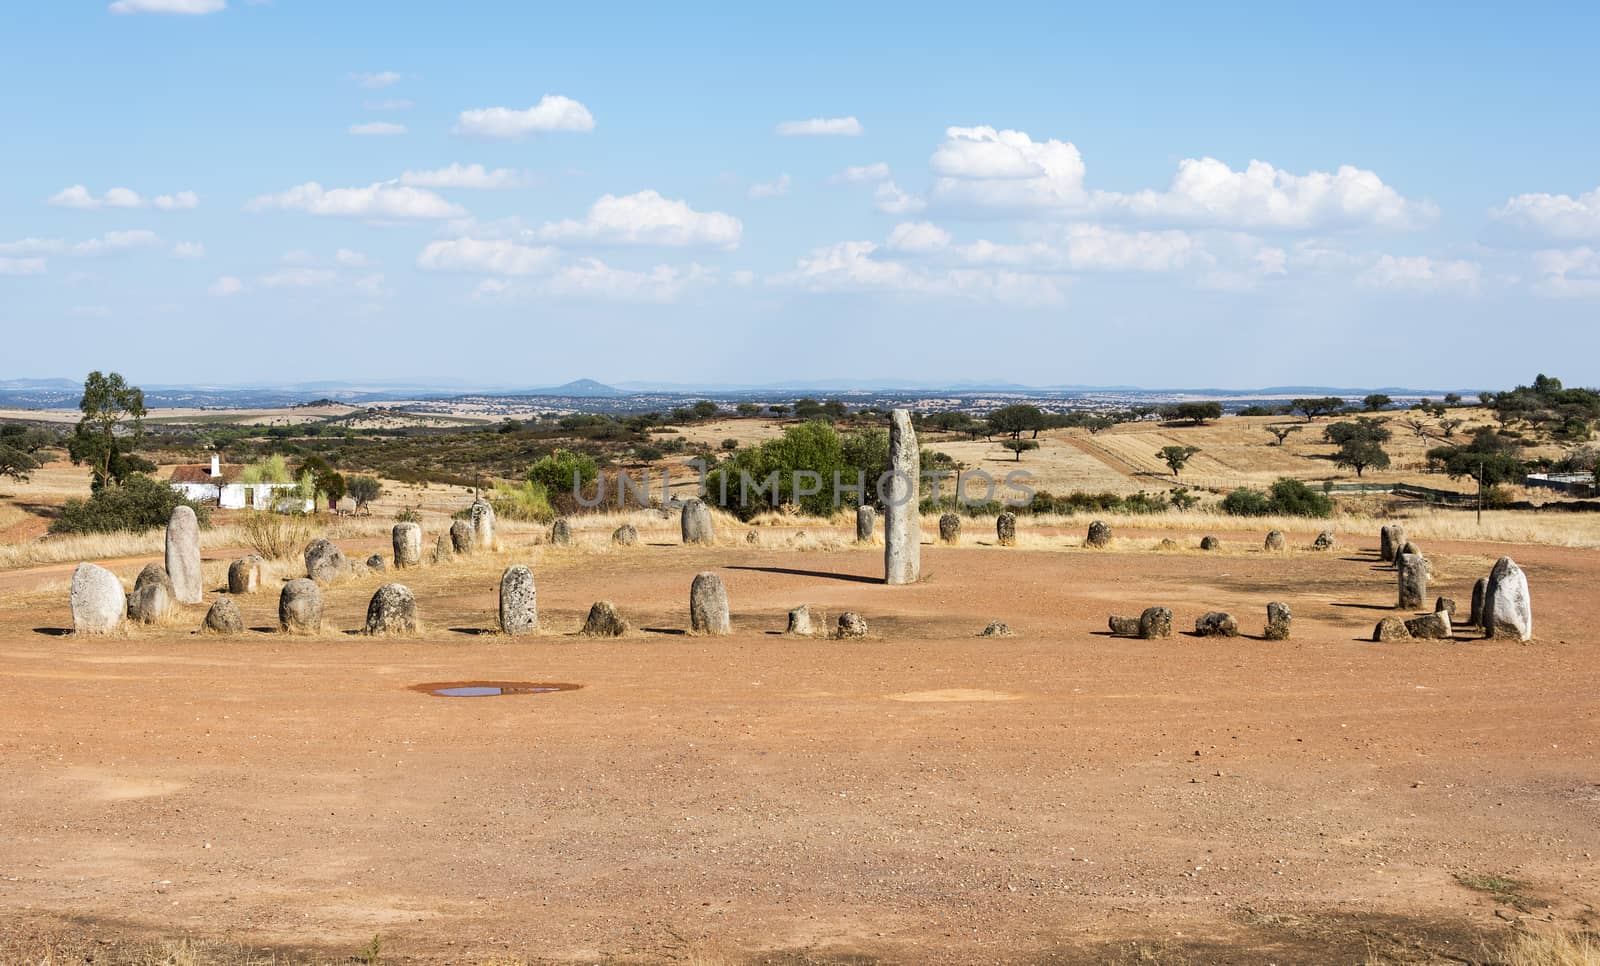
x,y
821,127
458,175
224,286
770,189
378,201
918,237
80,197
21,266
191,7
859,266
862,174
553,113
1567,273
592,278
188,250
1421,274
1561,217
486,256
377,79
646,218
379,129
891,200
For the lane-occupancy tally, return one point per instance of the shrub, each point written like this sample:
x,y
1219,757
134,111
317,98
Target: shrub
x,y
1245,502
1290,498
408,515
276,536
139,504
558,471
528,501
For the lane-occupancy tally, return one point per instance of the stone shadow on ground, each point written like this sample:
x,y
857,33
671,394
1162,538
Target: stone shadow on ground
x,y
797,572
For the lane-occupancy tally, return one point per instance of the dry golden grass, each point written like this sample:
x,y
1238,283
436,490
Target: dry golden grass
x,y
1551,949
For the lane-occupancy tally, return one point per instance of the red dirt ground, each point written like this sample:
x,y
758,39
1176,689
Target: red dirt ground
x,y
920,796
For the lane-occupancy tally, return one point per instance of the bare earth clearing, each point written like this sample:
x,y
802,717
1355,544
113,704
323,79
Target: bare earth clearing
x,y
920,796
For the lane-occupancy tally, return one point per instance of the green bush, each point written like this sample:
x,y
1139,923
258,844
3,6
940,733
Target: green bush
x,y
557,472
1290,498
525,501
139,504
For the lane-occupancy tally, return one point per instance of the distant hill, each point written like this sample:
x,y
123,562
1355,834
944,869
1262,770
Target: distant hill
x,y
580,387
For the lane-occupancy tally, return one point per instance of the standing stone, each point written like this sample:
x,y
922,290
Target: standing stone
x,y
604,621
708,606
1274,540
300,607
1480,588
950,528
800,621
627,535
1005,529
1279,618
150,602
902,515
1507,608
561,532
1409,547
1413,581
1124,626
183,554
1435,626
154,573
376,564
751,537
1391,629
407,541
244,575
325,562
444,548
695,522
866,524
997,629
482,516
462,538
1390,539
1325,541
852,624
1447,605
1155,623
223,618
392,610
519,601
1216,624
1167,543
1099,534
98,601
1210,543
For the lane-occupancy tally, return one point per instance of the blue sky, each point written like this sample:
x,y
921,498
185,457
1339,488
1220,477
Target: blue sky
x,y
1161,195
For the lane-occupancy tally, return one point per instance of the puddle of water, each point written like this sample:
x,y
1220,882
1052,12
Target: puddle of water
x,y
491,689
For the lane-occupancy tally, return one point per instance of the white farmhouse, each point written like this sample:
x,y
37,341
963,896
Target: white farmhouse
x,y
219,484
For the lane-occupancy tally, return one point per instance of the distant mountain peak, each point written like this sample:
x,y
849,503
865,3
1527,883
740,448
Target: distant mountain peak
x,y
582,387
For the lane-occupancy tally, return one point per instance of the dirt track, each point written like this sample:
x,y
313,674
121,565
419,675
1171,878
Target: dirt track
x,y
922,796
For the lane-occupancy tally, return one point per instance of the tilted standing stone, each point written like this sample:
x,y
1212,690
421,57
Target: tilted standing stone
x,y
1391,629
325,562
708,605
244,575
1210,543
407,541
1507,608
627,535
1325,541
98,601
561,532
902,531
300,607
1279,619
482,517
183,555
1413,580
1435,626
462,538
1447,605
149,602
695,522
223,618
800,621
376,564
1155,623
519,601
852,624
1005,529
1124,626
154,573
950,528
1216,624
443,548
604,621
866,524
1274,540
1479,590
1099,534
392,610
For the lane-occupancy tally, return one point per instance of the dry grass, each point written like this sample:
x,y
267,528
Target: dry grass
x,y
1551,949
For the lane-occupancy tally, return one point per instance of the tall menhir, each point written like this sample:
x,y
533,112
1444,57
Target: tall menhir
x,y
902,531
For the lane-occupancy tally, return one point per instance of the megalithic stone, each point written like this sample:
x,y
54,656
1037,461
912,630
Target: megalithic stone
x,y
902,534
